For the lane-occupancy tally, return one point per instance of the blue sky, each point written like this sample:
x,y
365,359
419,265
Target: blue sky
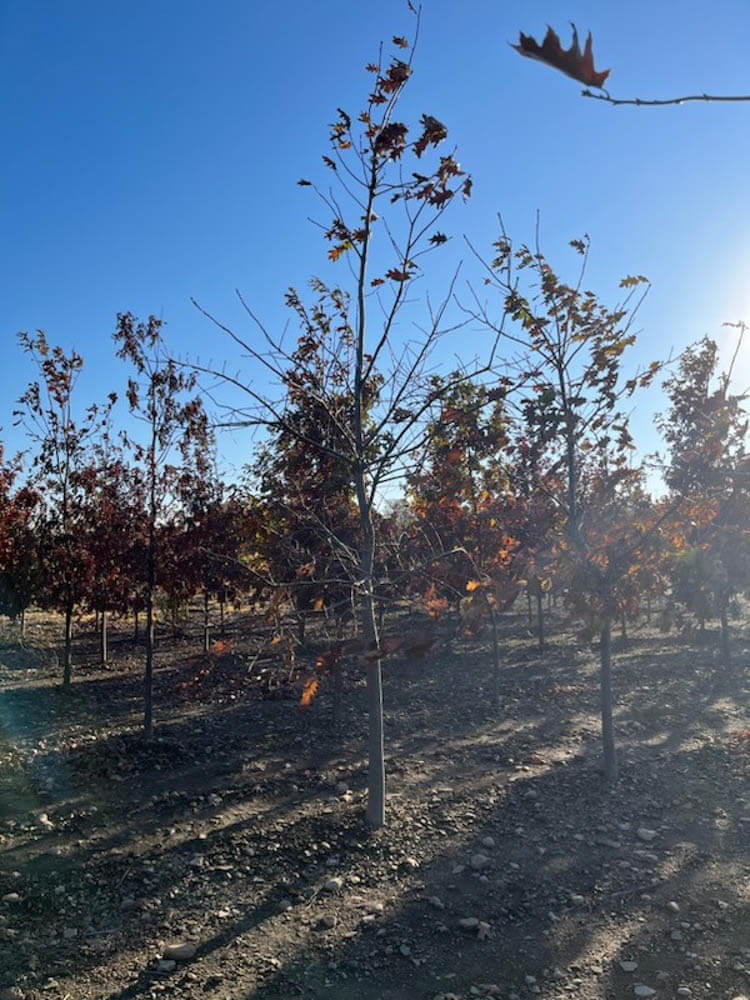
x,y
151,153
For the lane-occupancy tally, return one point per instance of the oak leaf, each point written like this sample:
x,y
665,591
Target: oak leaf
x,y
572,62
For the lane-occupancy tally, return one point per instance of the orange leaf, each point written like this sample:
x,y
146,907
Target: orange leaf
x,y
309,691
276,639
319,604
473,585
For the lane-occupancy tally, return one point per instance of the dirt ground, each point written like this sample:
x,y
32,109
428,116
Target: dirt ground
x,y
508,866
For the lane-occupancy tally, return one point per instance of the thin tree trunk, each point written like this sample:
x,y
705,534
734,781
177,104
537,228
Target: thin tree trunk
x,y
68,650
528,606
206,626
301,625
605,676
23,624
103,644
648,609
135,630
148,693
726,656
540,618
68,647
495,660
624,627
337,689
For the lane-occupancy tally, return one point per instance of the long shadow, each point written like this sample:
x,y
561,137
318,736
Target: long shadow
x,y
481,750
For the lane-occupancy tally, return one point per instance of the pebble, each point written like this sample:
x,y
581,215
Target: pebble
x,y
479,861
577,899
11,897
69,933
643,991
182,952
436,901
334,884
166,965
488,841
405,950
673,907
646,835
628,966
683,991
469,923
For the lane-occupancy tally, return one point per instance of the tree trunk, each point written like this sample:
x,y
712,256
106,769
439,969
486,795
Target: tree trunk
x,y
528,606
624,627
376,748
648,609
148,693
135,630
540,618
726,656
23,624
103,644
605,676
68,650
337,687
495,660
206,626
301,625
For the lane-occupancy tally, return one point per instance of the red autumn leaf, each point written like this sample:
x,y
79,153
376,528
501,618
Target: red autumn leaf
x,y
572,62
400,42
395,275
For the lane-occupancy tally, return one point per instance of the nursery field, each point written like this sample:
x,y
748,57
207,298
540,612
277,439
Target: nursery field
x,y
229,857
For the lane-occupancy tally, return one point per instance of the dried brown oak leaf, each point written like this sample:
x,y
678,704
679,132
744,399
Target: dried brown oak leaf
x,y
572,62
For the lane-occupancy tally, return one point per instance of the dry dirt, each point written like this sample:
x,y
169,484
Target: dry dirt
x,y
223,832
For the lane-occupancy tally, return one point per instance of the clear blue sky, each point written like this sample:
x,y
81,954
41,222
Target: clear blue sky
x,y
151,152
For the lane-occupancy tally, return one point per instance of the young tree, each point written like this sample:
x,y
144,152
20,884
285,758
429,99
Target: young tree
x,y
47,414
706,431
19,567
572,348
175,427
395,205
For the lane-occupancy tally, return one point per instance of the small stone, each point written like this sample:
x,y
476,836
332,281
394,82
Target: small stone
x,y
529,980
166,965
328,921
405,950
646,835
469,923
628,966
479,861
683,991
182,952
436,901
196,861
11,897
722,904
576,899
411,863
488,841
676,935
45,822
334,884
673,907
643,991
69,933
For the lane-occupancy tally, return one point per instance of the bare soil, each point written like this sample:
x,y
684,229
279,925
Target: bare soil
x,y
223,832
